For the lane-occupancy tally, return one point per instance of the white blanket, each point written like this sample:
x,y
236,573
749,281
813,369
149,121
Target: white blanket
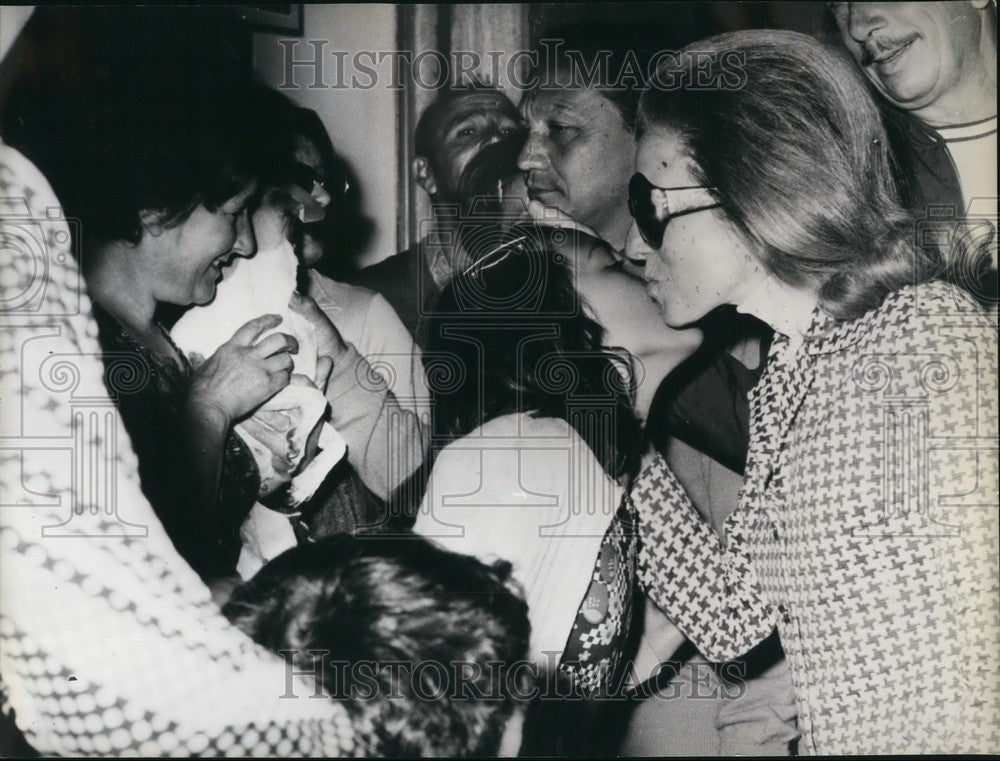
x,y
263,284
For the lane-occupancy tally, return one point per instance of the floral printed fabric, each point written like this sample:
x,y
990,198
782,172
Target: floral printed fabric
x,y
867,530
600,633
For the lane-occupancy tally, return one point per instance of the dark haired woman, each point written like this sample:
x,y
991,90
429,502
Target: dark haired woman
x,y
534,436
163,179
866,530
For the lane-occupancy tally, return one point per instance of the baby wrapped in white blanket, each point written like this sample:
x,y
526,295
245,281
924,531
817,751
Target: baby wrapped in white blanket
x,y
263,284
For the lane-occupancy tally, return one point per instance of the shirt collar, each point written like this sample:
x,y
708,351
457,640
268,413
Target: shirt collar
x,y
826,334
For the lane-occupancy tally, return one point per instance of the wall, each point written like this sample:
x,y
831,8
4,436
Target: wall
x,y
361,121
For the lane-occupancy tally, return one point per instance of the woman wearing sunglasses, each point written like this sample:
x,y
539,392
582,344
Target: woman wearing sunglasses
x,y
867,526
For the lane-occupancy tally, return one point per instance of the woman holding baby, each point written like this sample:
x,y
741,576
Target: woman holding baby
x,y
178,190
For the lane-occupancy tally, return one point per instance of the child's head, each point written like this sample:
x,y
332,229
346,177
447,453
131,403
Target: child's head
x,y
425,646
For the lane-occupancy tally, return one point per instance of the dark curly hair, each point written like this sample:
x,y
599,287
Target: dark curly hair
x,y
422,645
121,132
518,337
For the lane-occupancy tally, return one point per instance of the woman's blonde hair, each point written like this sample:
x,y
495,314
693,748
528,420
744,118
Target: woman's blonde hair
x,y
794,146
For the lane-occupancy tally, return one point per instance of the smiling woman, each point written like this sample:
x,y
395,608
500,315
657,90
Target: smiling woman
x,y
186,259
199,476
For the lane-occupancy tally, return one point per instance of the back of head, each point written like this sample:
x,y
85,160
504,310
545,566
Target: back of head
x,y
275,127
423,644
518,338
791,141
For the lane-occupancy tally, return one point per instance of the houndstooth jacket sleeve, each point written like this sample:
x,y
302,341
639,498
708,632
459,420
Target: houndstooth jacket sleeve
x,y
868,521
109,643
706,586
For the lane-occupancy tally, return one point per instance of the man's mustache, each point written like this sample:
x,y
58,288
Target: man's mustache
x,y
878,48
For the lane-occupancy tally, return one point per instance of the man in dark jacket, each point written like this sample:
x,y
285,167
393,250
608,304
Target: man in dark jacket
x,y
464,129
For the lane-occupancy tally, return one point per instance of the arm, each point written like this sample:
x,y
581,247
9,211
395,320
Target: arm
x,y
660,640
385,442
203,430
963,468
124,631
708,589
385,340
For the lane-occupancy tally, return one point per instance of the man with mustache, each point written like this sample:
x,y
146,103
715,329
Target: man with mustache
x,y
459,138
934,65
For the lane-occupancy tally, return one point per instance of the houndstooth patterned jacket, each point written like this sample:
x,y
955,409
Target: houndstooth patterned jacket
x,y
867,530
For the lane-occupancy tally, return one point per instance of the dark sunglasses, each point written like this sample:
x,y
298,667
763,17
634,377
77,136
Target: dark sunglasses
x,y
653,207
307,178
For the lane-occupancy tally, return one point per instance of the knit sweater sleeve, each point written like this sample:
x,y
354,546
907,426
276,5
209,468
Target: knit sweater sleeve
x,y
109,642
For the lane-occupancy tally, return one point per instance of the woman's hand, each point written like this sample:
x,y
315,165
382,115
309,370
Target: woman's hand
x,y
241,375
660,640
329,342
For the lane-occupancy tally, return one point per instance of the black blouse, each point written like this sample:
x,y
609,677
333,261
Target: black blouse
x,y
151,395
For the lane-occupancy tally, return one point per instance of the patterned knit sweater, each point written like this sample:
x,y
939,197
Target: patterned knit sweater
x,y
867,530
109,643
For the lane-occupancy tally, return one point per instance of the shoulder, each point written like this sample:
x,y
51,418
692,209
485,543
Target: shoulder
x,y
548,450
345,295
524,424
396,266
514,428
930,342
929,315
915,317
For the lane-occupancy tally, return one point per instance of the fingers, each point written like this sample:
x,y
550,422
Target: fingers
x,y
536,210
276,343
324,367
276,441
301,304
277,419
279,363
308,308
252,329
298,379
552,216
279,380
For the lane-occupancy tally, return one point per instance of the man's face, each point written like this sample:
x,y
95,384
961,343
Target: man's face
x,y
469,123
911,52
578,156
